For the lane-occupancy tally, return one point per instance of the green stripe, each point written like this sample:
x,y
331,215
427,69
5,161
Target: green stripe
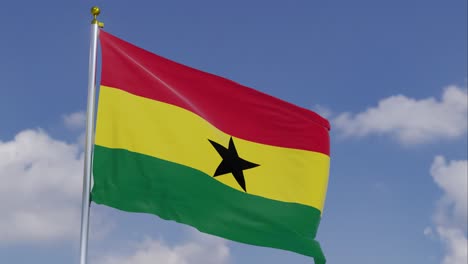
x,y
135,182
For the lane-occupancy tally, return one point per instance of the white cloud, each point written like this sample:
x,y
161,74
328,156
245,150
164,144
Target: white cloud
x,y
202,249
451,212
456,244
41,188
452,178
409,120
75,120
428,232
323,111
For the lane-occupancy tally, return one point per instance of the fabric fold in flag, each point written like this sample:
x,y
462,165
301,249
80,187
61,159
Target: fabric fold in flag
x,y
205,151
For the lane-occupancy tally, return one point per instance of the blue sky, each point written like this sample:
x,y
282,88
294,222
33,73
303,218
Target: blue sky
x,y
391,76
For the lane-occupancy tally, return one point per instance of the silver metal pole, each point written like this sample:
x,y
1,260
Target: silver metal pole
x,y
88,162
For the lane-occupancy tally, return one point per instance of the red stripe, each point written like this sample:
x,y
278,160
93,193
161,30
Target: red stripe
x,y
235,109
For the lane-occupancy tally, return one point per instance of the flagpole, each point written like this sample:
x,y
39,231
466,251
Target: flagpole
x,y
88,163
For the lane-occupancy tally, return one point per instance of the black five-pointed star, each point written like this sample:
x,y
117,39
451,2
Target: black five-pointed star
x,y
232,163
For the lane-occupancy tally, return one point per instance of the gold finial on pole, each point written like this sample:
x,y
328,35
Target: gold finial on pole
x,y
95,11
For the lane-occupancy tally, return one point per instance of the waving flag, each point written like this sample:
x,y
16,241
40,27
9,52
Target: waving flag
x,y
202,150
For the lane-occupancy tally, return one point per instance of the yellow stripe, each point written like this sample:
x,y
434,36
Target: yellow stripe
x,y
174,134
